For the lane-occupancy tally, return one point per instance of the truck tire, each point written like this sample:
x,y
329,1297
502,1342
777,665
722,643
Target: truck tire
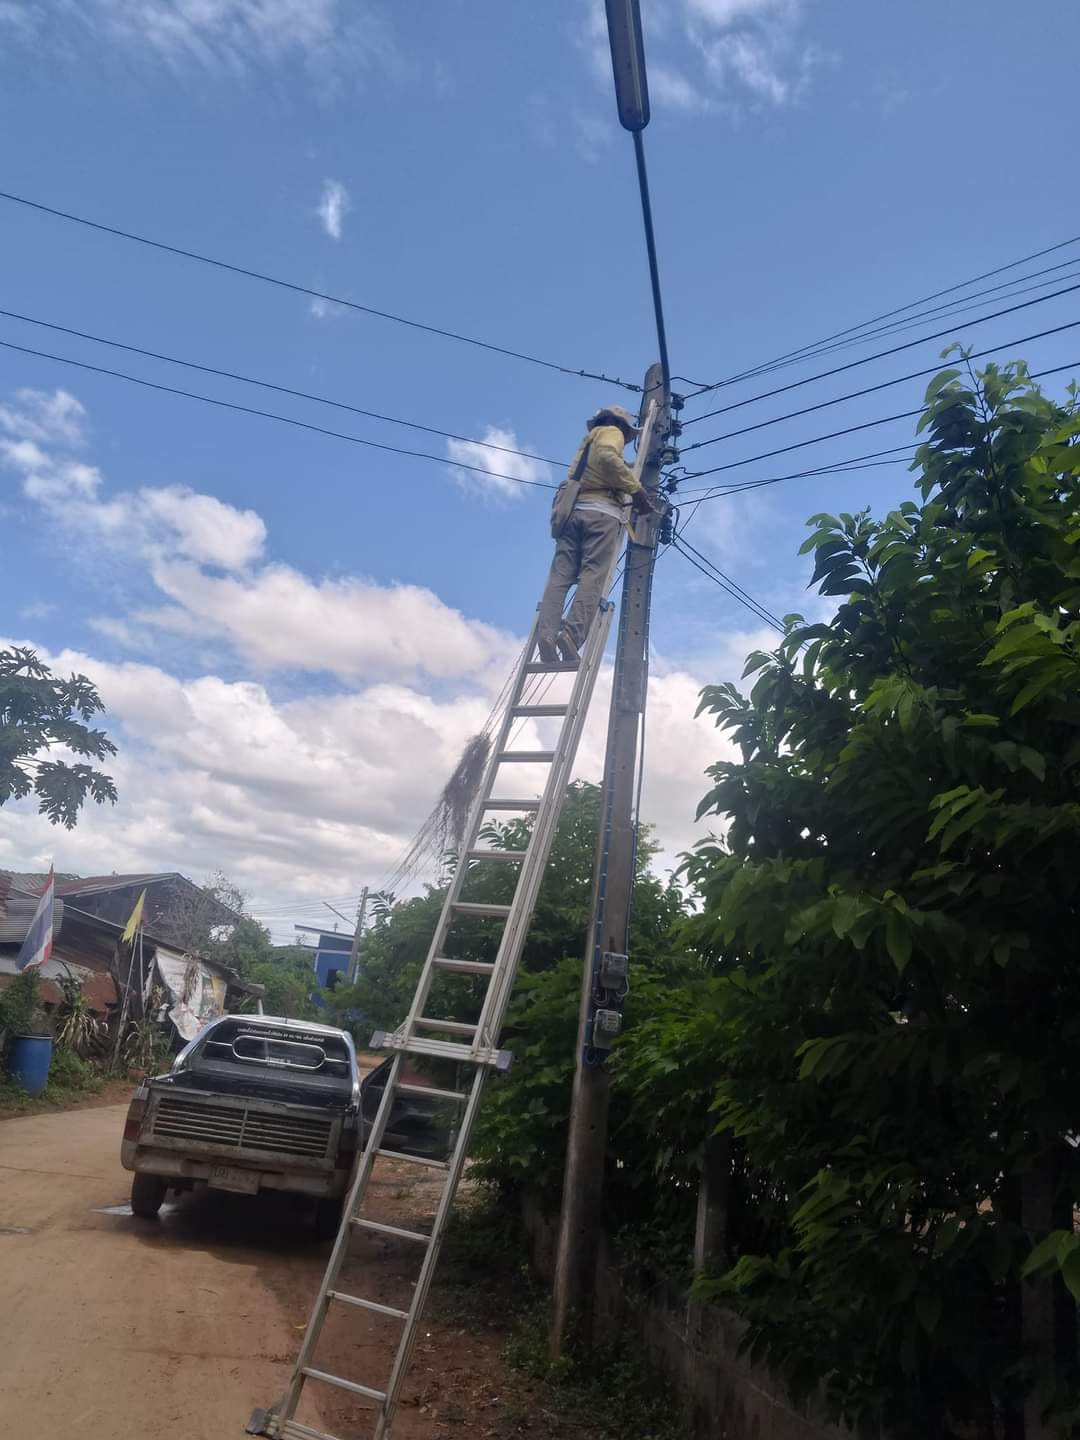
x,y
328,1213
147,1193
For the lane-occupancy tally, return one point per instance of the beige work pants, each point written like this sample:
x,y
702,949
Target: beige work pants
x,y
583,555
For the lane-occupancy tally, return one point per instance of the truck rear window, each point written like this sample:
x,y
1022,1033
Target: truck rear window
x,y
261,1048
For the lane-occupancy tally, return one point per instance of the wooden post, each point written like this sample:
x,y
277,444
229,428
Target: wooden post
x,y
581,1217
1037,1302
714,1198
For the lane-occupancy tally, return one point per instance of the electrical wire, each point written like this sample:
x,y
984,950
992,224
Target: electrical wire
x,y
866,425
879,355
728,586
298,289
271,385
867,390
951,311
794,355
273,415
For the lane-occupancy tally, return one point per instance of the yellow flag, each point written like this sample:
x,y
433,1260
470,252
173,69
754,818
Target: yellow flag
x,y
134,920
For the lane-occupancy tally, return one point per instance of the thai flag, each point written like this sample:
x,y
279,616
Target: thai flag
x,y
37,947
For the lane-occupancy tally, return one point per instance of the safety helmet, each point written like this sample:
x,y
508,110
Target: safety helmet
x,y
615,415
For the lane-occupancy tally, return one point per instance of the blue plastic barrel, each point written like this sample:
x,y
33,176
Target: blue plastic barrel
x,y
28,1062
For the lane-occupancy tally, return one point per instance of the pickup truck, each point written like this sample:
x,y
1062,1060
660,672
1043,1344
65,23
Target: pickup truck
x,y
252,1103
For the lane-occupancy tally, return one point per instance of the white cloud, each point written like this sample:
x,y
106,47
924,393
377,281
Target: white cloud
x,y
503,472
36,610
314,795
44,418
708,56
271,615
336,40
323,309
172,520
333,207
671,87
278,619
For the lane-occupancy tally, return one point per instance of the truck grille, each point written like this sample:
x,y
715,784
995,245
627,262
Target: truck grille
x,y
235,1128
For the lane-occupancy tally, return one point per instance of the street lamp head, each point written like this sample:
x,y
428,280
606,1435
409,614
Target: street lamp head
x,y
628,62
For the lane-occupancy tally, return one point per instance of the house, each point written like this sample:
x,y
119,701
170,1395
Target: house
x,y
89,917
332,956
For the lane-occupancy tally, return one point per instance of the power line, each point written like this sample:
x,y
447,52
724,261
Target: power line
x,y
298,289
868,390
879,355
839,467
849,430
272,415
951,310
888,314
271,385
729,587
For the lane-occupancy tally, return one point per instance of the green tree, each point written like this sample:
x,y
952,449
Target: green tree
x,y
39,713
890,1017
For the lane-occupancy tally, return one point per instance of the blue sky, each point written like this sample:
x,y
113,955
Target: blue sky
x,y
274,616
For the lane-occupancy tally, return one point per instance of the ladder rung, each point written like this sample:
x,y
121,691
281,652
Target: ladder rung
x,y
473,907
293,1430
464,967
368,1304
501,804
524,712
413,1160
428,1092
365,1390
560,667
504,855
526,757
442,1050
391,1230
452,1027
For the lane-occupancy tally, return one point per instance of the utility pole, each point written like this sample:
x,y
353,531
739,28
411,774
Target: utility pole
x,y
583,1182
354,956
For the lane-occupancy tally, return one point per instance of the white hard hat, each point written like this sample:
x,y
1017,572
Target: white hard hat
x,y
618,415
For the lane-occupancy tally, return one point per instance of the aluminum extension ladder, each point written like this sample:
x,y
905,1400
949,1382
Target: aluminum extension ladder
x,y
478,1042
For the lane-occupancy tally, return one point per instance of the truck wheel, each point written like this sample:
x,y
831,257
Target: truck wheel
x,y
328,1213
147,1193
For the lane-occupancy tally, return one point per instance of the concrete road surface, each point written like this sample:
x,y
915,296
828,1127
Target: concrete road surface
x,y
113,1328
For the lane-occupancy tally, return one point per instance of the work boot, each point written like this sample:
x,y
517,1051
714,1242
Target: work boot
x,y
547,652
569,652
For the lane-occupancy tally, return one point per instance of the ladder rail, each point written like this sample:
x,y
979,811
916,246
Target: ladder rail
x,y
411,1326
472,827
543,835
355,1195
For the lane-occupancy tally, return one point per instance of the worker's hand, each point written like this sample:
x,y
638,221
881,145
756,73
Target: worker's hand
x,y
644,503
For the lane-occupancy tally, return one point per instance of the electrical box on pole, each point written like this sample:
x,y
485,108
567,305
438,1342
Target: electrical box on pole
x,y
605,978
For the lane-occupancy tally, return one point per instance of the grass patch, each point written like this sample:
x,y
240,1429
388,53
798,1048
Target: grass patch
x,y
484,1284
70,1080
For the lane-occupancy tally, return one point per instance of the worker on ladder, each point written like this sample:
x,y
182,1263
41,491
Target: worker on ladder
x,y
588,521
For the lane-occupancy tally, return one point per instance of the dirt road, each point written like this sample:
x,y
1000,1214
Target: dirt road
x,y
113,1328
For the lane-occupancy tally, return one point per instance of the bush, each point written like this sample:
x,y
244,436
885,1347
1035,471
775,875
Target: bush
x,y
21,1011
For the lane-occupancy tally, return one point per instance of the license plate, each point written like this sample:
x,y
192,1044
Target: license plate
x,y
230,1177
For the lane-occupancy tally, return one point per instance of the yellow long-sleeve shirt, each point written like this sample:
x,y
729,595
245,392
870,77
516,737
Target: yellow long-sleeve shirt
x,y
606,475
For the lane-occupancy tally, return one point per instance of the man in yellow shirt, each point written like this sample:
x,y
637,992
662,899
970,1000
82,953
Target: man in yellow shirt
x,y
590,539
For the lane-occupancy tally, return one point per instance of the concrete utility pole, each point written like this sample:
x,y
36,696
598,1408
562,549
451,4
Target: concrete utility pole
x,y
583,1182
354,956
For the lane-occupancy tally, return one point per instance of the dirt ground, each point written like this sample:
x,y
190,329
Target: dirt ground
x,y
115,1328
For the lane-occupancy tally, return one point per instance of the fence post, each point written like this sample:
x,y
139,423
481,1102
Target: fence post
x,y
1037,1295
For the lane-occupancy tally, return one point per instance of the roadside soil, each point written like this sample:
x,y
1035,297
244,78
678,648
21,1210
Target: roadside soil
x,y
116,1328
112,1092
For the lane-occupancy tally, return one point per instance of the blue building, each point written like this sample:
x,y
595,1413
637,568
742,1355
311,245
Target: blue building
x,y
330,956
